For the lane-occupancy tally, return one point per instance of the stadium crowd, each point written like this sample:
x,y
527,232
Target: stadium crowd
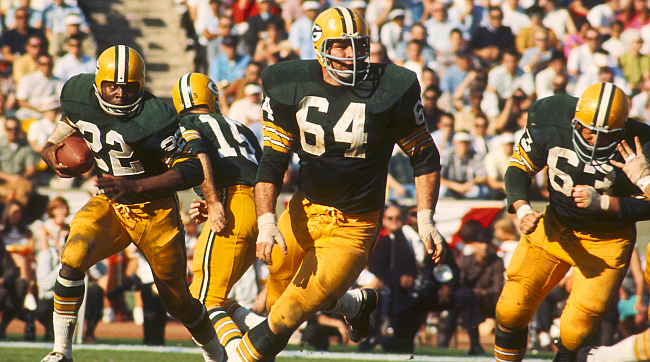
x,y
481,64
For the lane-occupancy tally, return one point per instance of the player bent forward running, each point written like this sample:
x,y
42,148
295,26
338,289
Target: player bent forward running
x,y
143,160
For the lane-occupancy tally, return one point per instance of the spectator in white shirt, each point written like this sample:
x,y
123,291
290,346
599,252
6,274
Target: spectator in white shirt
x,y
514,16
41,129
603,15
392,33
248,110
36,88
508,77
300,33
74,61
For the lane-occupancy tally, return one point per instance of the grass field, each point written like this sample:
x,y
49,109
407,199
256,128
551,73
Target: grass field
x,y
122,350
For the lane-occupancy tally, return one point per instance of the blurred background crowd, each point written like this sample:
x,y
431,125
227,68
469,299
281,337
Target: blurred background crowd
x,y
480,64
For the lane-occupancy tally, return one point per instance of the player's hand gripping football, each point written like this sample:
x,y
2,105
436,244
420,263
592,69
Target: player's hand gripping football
x,y
636,165
269,234
433,241
48,154
119,186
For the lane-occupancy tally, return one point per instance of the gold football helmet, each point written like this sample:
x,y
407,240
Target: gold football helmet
x,y
194,89
340,24
120,64
603,108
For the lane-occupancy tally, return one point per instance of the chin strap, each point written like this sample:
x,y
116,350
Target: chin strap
x,y
117,110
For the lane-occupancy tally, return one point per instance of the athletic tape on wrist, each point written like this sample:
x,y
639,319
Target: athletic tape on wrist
x,y
523,211
643,182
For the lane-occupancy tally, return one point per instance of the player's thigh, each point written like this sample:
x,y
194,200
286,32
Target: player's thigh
x,y
293,225
95,234
221,259
532,273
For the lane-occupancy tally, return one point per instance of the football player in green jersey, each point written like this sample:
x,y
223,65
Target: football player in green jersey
x,y
342,116
142,161
588,223
229,153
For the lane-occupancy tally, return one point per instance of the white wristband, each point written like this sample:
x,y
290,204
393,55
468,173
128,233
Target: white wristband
x,y
604,202
643,182
523,211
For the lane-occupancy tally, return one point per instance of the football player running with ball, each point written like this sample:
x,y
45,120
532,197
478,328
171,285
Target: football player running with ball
x,y
342,116
142,160
229,153
588,223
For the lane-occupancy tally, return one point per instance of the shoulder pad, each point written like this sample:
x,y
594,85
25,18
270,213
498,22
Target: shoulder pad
x,y
390,83
283,81
154,114
554,111
79,89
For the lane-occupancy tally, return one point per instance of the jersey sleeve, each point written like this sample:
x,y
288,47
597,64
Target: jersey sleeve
x,y
176,153
415,140
528,158
279,141
192,136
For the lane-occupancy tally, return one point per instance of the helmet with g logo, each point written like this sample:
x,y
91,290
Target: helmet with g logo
x,y
342,24
194,89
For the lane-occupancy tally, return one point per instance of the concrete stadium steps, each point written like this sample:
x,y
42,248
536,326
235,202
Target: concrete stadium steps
x,y
150,26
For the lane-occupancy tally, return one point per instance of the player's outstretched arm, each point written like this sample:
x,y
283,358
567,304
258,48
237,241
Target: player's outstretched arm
x,y
122,186
427,187
266,195
636,165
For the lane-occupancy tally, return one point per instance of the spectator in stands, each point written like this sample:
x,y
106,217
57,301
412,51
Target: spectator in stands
x,y
230,64
12,290
604,72
463,173
444,133
483,270
526,37
414,60
54,231
300,33
439,26
640,102
454,75
482,142
17,164
514,16
474,83
467,115
496,163
207,29
27,63
7,90
417,32
469,15
400,182
54,23
488,41
581,59
236,90
603,15
75,61
635,15
14,40
41,129
248,110
535,58
35,16
615,45
378,54
432,112
73,26
504,79
272,47
635,66
392,32
36,88
545,79
257,24
376,15
558,19
572,41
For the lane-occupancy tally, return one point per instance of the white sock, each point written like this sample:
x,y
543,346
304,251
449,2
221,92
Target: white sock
x,y
245,319
138,316
622,351
63,332
212,351
348,305
231,348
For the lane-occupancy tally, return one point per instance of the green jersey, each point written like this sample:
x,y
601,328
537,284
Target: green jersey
x,y
233,149
548,141
144,144
343,135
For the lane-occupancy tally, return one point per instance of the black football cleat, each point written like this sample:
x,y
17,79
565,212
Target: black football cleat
x,y
360,325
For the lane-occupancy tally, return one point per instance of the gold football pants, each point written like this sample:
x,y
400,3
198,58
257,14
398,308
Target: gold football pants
x,y
221,259
543,258
100,230
327,250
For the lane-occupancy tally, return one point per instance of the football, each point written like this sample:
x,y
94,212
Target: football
x,y
74,153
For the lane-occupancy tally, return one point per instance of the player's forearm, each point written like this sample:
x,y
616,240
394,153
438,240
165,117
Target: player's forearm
x,y
170,180
427,187
207,186
517,184
266,195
